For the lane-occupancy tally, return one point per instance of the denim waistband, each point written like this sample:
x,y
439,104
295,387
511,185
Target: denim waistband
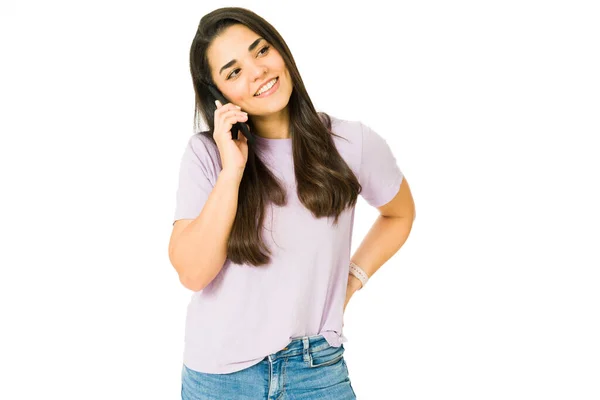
x,y
302,345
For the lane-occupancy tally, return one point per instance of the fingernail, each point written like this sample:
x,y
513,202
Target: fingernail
x,y
239,107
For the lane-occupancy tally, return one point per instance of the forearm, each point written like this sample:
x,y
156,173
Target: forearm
x,y
384,239
201,249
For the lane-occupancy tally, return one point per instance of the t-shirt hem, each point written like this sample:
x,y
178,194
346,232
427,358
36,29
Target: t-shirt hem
x,y
230,368
333,338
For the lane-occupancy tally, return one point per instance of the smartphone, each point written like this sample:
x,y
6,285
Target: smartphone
x,y
238,125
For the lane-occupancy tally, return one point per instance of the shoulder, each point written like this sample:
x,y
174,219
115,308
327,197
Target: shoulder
x,y
348,129
361,132
203,146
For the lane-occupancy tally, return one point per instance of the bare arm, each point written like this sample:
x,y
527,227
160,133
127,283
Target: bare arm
x,y
198,247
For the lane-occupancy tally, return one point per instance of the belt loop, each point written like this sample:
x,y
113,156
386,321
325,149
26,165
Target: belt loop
x,y
305,342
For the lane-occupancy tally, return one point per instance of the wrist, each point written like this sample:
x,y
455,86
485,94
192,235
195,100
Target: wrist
x,y
231,175
354,283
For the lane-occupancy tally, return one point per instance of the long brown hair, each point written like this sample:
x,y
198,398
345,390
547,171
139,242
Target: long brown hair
x,y
326,184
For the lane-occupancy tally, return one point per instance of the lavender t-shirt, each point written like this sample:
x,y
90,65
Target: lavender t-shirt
x,y
247,312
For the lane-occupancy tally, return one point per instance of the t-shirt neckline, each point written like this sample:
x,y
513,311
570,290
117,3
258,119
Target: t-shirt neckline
x,y
274,144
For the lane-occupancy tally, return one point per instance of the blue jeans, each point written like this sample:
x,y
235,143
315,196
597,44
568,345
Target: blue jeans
x,y
307,369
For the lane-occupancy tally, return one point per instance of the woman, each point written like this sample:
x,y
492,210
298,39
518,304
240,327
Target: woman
x,y
262,230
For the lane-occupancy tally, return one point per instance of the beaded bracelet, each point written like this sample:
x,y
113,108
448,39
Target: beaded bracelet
x,y
359,273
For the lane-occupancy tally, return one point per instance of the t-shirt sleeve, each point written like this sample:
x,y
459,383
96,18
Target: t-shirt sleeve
x,y
380,176
196,179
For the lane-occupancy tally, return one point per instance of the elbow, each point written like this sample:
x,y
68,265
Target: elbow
x,y
192,284
191,275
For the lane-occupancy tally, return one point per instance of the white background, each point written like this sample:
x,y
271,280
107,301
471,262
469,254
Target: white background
x,y
491,108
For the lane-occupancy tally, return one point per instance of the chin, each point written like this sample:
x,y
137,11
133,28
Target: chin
x,y
273,107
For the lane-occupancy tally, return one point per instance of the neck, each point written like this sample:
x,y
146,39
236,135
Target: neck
x,y
272,126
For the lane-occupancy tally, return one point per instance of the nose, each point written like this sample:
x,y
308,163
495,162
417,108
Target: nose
x,y
259,71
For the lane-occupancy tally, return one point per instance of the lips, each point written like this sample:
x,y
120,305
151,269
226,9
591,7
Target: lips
x,y
261,86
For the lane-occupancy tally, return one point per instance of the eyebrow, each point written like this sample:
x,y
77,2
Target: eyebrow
x,y
250,48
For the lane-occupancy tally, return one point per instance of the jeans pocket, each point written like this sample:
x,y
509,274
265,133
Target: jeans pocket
x,y
328,356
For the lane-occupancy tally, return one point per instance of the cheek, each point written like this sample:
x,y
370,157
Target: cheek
x,y
237,96
277,62
288,78
238,99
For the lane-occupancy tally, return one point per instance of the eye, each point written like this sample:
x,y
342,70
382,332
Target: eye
x,y
264,48
267,47
229,76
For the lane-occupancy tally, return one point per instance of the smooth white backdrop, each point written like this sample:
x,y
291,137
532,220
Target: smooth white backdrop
x,y
491,108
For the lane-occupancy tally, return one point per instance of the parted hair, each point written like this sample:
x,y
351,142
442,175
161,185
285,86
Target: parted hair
x,y
326,184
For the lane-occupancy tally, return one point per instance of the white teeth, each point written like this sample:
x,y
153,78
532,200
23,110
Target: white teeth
x,y
266,87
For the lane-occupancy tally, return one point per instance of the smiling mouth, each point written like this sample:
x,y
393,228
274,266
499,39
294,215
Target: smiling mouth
x,y
274,80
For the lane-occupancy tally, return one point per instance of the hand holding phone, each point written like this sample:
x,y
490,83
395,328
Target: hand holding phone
x,y
238,125
233,153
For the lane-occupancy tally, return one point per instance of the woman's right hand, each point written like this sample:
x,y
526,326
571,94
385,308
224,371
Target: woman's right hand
x,y
234,153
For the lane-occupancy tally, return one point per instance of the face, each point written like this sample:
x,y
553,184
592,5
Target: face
x,y
241,62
